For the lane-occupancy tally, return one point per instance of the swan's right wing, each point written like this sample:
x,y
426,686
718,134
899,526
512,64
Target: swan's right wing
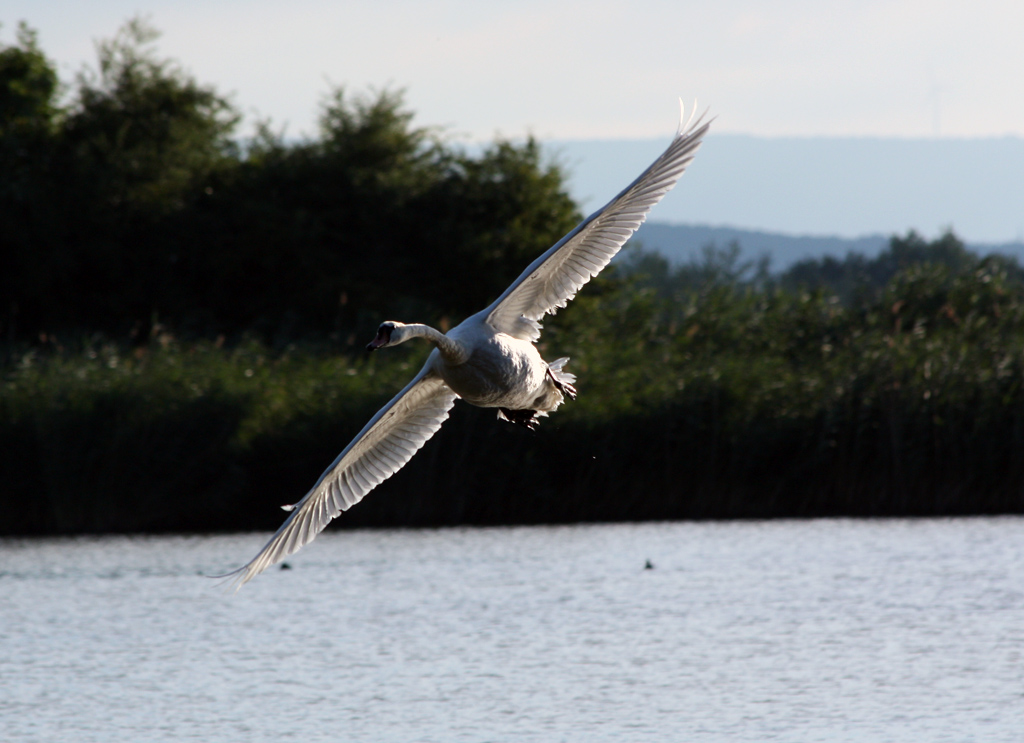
x,y
382,448
554,278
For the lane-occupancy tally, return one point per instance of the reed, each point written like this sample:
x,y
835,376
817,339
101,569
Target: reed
x,y
735,403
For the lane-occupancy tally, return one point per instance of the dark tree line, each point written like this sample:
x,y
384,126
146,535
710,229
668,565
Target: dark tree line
x,y
132,201
729,401
855,276
854,280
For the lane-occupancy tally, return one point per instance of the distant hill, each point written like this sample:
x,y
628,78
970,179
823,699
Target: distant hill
x,y
821,186
679,243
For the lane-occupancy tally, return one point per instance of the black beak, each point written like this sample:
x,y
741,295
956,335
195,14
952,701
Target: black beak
x,y
381,340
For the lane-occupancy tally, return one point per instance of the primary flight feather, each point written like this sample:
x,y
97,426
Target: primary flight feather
x,y
489,360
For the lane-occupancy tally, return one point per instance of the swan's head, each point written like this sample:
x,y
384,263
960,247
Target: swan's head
x,y
389,333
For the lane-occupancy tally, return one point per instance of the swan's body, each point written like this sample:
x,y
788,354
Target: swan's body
x,y
486,367
489,360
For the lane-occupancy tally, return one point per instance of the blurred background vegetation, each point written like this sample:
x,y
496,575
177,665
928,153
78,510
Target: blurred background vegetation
x,y
183,316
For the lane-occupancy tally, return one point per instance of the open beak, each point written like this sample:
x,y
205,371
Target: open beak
x,y
377,342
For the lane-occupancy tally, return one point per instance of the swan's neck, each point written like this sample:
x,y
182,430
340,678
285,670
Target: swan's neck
x,y
453,351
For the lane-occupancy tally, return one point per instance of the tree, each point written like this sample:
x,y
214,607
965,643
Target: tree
x,y
859,276
142,131
29,117
375,218
156,213
140,141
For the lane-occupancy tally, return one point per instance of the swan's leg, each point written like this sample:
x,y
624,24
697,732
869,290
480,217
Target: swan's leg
x,y
564,387
526,418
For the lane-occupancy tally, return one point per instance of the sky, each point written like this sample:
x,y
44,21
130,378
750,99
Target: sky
x,y
597,71
562,69
843,187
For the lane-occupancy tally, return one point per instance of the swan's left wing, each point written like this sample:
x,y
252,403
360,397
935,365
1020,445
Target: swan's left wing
x,y
553,279
382,448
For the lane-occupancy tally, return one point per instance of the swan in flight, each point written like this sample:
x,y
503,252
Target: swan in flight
x,y
489,360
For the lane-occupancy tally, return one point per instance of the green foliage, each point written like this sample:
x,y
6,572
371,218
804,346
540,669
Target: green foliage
x,y
856,275
734,403
489,217
374,214
142,133
29,119
151,212
28,89
138,139
714,268
165,437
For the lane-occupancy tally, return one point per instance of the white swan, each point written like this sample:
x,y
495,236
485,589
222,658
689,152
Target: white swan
x,y
489,360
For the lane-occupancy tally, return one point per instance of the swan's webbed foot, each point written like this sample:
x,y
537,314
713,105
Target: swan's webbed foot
x,y
525,418
564,387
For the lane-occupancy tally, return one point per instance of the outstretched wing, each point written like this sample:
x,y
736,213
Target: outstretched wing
x,y
382,448
553,279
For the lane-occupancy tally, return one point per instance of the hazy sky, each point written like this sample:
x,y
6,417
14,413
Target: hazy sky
x,y
566,69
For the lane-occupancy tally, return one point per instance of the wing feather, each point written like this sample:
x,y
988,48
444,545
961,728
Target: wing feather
x,y
383,447
553,279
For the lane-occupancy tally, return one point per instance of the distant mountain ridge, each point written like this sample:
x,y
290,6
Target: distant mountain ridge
x,y
679,243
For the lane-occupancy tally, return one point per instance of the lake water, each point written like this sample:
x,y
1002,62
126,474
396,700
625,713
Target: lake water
x,y
826,630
